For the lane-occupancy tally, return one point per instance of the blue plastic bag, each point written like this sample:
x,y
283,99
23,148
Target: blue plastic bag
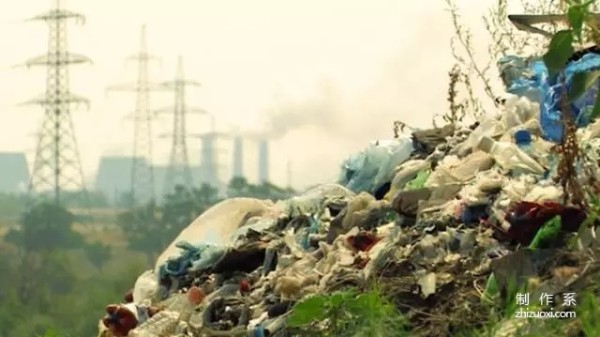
x,y
534,83
192,258
525,78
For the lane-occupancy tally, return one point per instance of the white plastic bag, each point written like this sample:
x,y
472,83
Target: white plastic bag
x,y
369,169
217,225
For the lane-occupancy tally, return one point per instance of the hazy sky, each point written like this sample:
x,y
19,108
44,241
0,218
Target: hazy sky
x,y
363,63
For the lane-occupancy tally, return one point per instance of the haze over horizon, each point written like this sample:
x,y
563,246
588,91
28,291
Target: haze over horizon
x,y
326,77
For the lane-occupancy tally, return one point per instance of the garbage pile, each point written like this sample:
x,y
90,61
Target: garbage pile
x,y
441,220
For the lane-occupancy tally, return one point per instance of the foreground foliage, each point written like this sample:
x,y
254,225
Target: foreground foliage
x,y
348,313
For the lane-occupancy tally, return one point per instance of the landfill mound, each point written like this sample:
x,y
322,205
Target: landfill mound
x,y
442,220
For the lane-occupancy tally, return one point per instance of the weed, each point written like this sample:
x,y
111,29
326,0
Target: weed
x,y
505,39
348,313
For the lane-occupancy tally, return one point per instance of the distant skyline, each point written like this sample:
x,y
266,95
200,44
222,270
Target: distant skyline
x,y
358,65
114,177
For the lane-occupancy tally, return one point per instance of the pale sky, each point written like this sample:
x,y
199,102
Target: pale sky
x,y
380,60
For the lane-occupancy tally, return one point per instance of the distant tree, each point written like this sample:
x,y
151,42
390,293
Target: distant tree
x,y
11,207
270,191
98,199
143,229
240,187
124,199
39,291
98,254
46,227
181,207
43,278
206,195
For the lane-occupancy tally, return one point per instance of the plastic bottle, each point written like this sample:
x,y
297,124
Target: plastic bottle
x,y
509,156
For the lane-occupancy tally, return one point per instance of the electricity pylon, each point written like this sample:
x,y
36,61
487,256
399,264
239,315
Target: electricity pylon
x,y
179,173
57,165
142,188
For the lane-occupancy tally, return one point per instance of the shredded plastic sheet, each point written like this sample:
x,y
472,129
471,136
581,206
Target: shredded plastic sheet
x,y
530,79
369,169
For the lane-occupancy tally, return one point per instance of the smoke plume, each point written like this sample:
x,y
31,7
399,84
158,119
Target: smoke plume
x,y
319,111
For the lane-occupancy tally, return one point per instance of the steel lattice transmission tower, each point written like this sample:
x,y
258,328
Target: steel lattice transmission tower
x,y
57,165
179,172
142,186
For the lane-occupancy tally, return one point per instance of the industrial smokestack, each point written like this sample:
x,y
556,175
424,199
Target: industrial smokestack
x,y
238,157
263,161
208,161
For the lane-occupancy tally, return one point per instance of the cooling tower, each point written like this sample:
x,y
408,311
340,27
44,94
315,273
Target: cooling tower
x,y
238,157
113,177
208,163
263,161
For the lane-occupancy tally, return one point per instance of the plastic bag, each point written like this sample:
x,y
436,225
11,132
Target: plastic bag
x,y
518,111
217,225
369,169
404,174
490,127
454,170
192,258
313,200
523,77
551,89
145,288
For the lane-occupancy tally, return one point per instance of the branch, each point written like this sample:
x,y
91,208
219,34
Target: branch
x,y
464,36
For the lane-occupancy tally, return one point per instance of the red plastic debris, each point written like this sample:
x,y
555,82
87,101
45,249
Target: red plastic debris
x,y
363,241
119,320
244,287
526,218
129,296
195,295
